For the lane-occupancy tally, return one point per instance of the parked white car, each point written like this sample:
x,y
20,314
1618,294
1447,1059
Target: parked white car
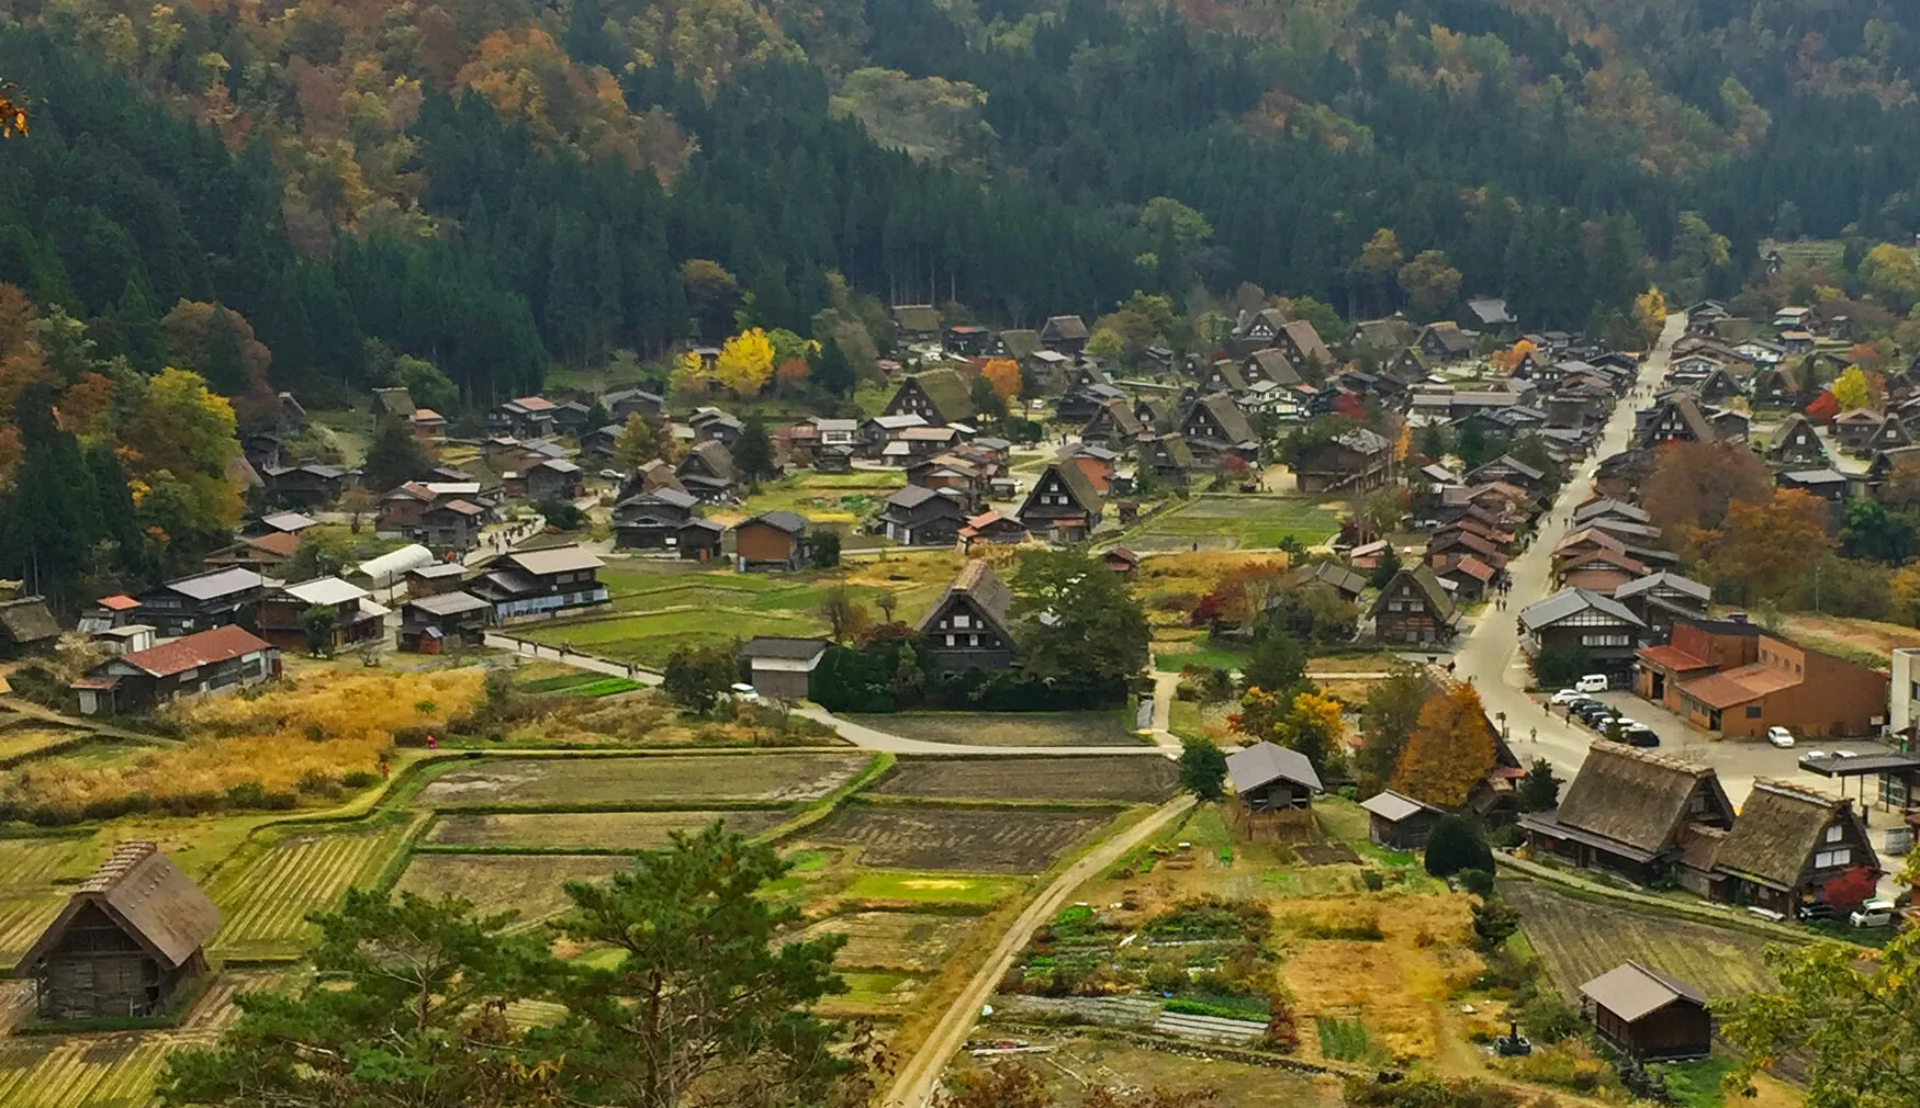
x,y
1780,737
1592,682
1874,913
1566,696
744,692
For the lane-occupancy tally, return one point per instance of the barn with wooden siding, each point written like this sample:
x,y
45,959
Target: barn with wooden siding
x,y
130,940
1270,778
1648,1016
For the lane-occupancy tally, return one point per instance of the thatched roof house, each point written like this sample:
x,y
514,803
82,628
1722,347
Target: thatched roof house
x,y
1630,811
1787,844
131,936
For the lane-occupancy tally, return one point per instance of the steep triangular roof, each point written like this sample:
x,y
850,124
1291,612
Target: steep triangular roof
x,y
1779,826
1633,796
990,595
144,893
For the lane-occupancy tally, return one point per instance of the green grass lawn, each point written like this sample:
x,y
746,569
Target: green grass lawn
x,y
1209,656
827,497
1236,523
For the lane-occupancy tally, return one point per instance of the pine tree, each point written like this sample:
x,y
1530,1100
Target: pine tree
x,y
395,457
753,451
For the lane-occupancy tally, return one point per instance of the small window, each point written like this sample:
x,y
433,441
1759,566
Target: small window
x,y
1835,832
1830,859
961,621
1753,711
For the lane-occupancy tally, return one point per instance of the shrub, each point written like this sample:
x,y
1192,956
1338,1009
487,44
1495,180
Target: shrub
x,y
1479,882
1456,845
1203,768
1548,1019
1494,921
1507,836
1372,880
1556,666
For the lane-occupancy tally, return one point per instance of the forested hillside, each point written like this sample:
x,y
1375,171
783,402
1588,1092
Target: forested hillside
x,y
498,185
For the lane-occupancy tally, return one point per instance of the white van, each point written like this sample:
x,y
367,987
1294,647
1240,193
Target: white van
x,y
1592,682
1874,913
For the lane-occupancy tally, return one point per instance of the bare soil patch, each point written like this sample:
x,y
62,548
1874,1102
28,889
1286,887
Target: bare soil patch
x,y
563,831
639,781
1117,777
965,840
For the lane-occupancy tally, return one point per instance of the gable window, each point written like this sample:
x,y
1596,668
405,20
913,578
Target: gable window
x,y
1835,833
961,620
1828,859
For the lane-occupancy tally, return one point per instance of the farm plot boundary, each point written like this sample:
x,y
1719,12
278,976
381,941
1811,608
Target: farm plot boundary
x,y
1578,940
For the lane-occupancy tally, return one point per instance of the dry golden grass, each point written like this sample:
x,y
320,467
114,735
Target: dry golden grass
x,y
1394,985
331,723
1199,571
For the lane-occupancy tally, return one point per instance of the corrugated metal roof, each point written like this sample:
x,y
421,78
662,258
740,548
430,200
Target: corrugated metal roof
x,y
325,590
217,645
1264,763
1632,991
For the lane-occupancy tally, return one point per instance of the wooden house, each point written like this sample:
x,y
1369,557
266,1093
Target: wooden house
x,y
204,600
1630,812
1064,334
452,524
1020,344
1213,424
445,621
525,417
1355,460
1415,608
435,579
1797,445
716,425
939,396
1168,458
356,618
26,624
1678,418
1113,423
1063,505
204,662
969,340
1445,342
651,520
541,584
129,942
1853,430
708,473
1081,403
1270,366
624,404
782,668
770,541
920,516
916,323
1787,844
1582,621
1661,598
309,484
992,527
971,625
1399,822
1648,1016
1268,778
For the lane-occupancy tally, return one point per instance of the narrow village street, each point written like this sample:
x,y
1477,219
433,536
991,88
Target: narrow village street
x,y
1490,654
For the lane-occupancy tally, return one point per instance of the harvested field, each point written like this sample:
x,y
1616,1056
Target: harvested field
x,y
1082,1061
1578,940
638,782
929,888
266,896
1109,728
527,884
1128,778
967,840
19,744
566,831
1236,523
872,993
113,1071
29,899
905,942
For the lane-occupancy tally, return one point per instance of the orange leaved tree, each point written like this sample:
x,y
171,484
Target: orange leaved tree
x,y
1449,751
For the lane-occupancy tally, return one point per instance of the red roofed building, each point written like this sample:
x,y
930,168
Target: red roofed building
x,y
223,658
1735,678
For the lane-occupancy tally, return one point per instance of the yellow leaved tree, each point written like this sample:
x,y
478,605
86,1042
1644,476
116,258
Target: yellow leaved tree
x,y
745,364
1850,389
1004,375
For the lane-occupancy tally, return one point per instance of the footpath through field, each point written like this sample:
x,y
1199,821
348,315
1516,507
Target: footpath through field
x,y
919,1076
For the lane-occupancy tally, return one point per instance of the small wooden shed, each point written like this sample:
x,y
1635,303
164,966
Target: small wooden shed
x,y
1399,822
129,941
1647,1015
1270,778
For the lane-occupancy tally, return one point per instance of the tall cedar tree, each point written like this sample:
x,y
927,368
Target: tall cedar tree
x,y
1450,750
395,457
1078,619
753,451
1278,663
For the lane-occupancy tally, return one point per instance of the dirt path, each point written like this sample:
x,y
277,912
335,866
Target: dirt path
x,y
919,1077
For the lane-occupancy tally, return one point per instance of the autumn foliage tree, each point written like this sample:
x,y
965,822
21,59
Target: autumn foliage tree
x,y
1695,483
1847,892
745,363
1004,375
1450,750
1769,545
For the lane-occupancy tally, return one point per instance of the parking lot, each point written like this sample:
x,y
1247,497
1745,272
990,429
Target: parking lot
x,y
1737,761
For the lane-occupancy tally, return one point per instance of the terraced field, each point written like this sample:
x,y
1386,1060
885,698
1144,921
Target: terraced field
x,y
966,840
588,831
1097,778
905,942
638,782
29,899
1579,941
267,894
115,1071
527,884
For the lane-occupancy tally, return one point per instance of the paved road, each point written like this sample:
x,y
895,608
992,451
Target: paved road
x,y
919,1076
1490,653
